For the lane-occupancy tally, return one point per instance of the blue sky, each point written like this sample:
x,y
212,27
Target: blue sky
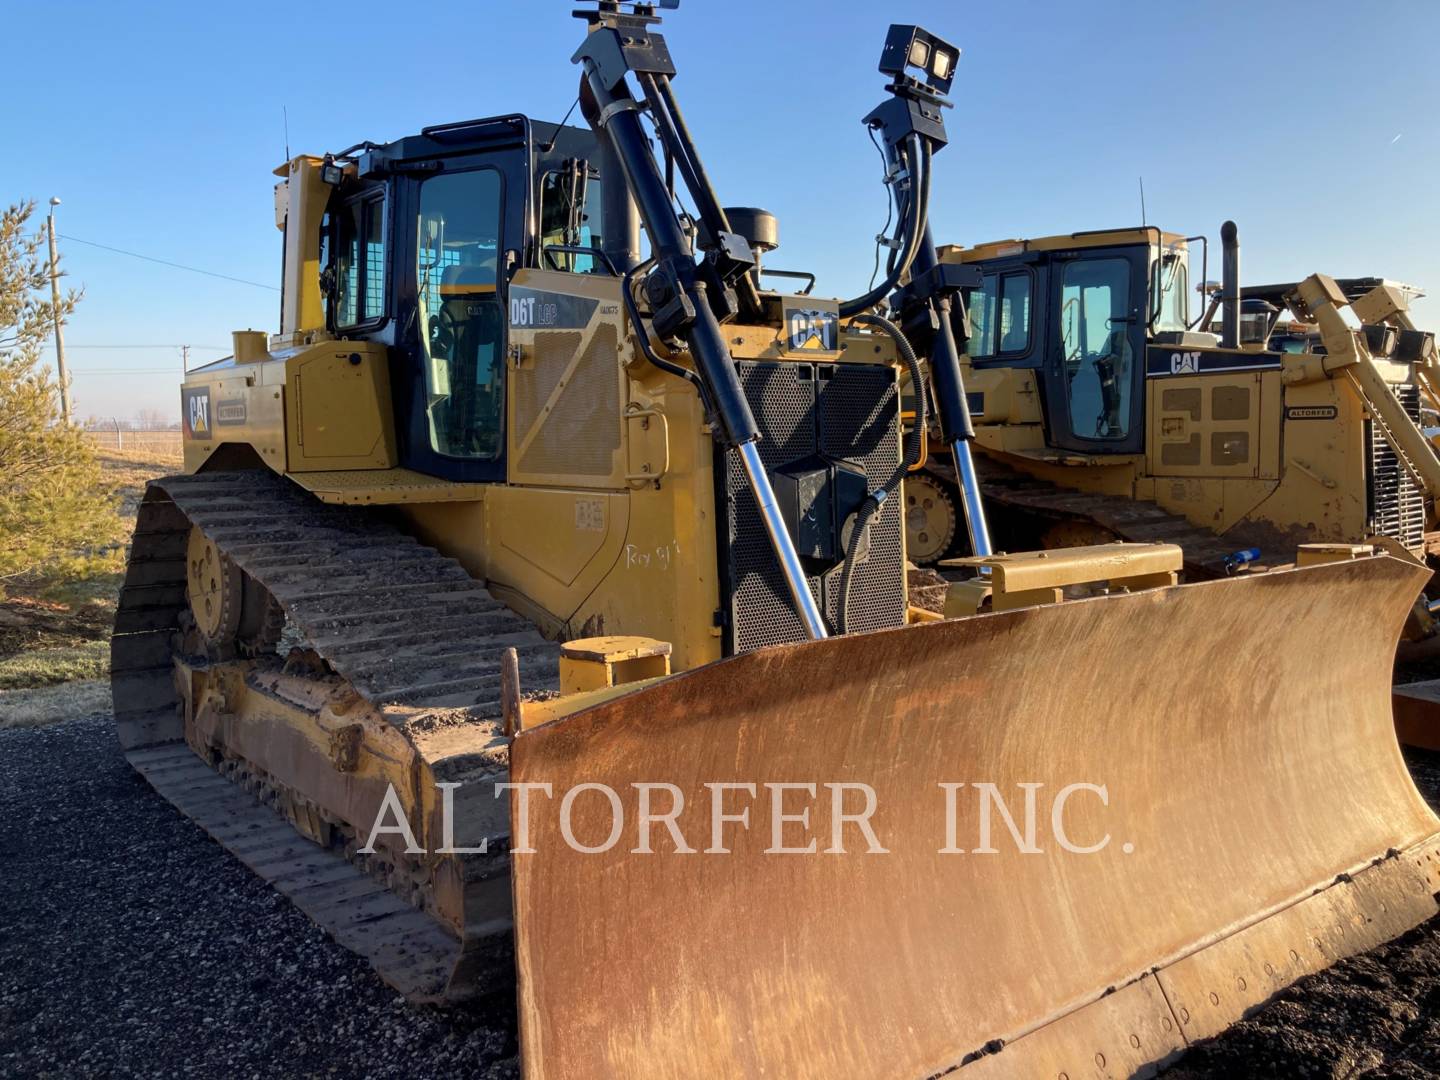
x,y
1314,126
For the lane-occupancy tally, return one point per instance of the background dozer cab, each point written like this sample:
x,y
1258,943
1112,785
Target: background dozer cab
x,y
1103,413
497,451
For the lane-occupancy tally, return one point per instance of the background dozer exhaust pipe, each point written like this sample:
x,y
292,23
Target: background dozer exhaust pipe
x,y
1230,286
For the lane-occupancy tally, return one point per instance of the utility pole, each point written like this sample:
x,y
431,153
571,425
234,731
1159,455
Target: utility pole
x,y
184,359
55,305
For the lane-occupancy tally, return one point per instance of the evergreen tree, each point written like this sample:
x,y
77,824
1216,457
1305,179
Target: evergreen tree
x,y
57,520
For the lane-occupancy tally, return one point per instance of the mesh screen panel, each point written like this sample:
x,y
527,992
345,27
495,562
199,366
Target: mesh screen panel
x,y
1397,505
846,411
582,431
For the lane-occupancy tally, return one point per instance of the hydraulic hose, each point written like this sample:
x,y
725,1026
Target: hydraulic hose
x,y
912,228
914,447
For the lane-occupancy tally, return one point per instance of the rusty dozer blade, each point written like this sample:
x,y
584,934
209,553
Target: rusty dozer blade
x,y
1260,820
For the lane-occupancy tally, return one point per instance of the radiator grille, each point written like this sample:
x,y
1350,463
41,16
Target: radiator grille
x,y
1396,504
846,411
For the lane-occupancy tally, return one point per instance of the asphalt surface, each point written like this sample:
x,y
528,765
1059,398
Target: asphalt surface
x,y
132,945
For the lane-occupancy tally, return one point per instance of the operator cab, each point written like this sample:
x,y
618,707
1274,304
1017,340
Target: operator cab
x,y
1081,310
418,242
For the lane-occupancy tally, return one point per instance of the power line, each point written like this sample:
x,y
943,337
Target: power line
x,y
122,371
208,348
166,262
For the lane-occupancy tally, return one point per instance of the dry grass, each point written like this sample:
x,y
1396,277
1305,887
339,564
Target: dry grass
x,y
54,645
162,443
128,470
51,704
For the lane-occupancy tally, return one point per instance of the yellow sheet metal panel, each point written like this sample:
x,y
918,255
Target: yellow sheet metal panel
x,y
1208,713
251,346
300,201
1205,425
341,415
225,403
385,487
544,539
1271,422
992,249
566,382
1323,468
1007,395
1008,438
600,662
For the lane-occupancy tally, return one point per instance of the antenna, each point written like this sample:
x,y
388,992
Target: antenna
x,y
1143,222
556,137
285,112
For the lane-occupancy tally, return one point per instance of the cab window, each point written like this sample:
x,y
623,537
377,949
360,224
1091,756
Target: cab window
x,y
358,229
1000,316
570,217
1169,290
458,250
1095,346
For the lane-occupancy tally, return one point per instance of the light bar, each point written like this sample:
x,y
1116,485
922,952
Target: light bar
x,y
915,48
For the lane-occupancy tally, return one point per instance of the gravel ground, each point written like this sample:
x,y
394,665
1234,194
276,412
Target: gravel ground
x,y
149,951
145,950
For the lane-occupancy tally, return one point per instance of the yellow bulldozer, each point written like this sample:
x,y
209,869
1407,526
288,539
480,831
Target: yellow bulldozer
x,y
533,610
1102,411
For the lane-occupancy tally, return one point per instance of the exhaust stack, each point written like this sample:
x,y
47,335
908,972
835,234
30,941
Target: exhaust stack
x,y
621,240
1230,286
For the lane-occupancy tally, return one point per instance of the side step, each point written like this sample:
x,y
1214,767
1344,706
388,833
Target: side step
x,y
409,950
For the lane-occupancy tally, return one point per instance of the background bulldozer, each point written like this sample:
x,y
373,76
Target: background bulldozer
x,y
1103,411
498,451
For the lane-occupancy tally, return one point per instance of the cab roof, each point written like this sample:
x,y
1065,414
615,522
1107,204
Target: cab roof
x,y
993,249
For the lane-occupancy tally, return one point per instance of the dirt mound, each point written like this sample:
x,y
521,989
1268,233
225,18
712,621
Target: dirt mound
x,y
1373,1016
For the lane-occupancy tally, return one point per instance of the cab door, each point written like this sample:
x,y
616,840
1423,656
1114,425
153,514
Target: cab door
x,y
1095,354
464,231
